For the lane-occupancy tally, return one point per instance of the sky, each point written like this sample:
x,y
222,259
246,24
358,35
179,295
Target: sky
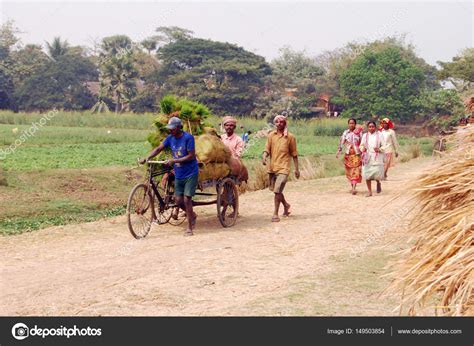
x,y
438,30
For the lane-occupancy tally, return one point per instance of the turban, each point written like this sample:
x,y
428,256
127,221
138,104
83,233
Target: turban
x,y
282,117
387,121
229,120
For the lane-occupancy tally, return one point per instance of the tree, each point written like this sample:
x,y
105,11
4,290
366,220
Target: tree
x,y
8,39
292,68
6,90
170,34
149,44
118,73
382,83
58,84
57,48
27,61
223,76
460,71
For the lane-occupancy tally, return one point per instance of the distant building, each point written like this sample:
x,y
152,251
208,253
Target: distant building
x,y
469,105
325,106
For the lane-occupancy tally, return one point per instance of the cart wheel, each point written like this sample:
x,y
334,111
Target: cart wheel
x,y
140,211
227,202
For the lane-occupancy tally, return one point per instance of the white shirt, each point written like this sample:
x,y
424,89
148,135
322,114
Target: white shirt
x,y
391,143
375,140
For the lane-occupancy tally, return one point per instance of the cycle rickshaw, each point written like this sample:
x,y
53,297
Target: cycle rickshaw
x,y
153,202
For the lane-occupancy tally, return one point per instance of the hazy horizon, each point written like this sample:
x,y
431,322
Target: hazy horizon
x,y
439,30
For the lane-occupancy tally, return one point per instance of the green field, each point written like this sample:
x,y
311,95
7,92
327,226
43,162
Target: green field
x,y
78,167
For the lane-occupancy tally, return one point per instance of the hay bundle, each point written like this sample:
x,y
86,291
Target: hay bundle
x,y
213,170
440,265
210,148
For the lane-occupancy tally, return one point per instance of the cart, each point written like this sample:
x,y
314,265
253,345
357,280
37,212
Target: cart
x,y
153,202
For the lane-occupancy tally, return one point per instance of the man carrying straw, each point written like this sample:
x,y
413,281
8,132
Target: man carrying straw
x,y
280,147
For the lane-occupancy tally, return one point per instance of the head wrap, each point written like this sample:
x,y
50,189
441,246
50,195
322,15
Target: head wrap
x,y
358,129
388,121
282,117
229,120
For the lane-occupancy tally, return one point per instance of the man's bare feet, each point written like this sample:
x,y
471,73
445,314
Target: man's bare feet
x,y
275,218
188,232
368,195
193,222
286,211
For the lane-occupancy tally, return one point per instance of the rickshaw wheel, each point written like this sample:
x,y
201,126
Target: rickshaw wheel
x,y
140,211
227,202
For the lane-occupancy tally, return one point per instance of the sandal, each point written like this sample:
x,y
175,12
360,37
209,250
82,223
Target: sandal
x,y
287,211
275,219
188,232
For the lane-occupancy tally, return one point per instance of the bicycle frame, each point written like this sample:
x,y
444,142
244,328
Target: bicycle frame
x,y
153,185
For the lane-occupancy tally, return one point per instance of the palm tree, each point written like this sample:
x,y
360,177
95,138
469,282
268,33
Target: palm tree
x,y
57,48
149,44
118,73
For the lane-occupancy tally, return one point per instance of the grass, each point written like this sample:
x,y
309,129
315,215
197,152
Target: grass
x,y
82,119
83,155
27,224
57,135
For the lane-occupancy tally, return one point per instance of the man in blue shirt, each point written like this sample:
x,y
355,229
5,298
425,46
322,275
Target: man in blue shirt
x,y
185,167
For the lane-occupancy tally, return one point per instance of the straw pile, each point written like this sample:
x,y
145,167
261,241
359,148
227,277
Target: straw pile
x,y
209,148
214,155
438,270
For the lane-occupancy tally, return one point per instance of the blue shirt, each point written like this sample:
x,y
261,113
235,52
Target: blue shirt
x,y
181,147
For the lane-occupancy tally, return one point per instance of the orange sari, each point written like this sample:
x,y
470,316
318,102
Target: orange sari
x,y
353,164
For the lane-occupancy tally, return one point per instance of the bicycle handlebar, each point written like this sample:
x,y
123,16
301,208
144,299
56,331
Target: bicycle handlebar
x,y
159,162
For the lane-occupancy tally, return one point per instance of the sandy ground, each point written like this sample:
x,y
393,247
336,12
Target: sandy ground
x,y
316,262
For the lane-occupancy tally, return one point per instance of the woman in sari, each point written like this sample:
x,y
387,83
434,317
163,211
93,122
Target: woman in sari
x,y
349,143
391,144
372,147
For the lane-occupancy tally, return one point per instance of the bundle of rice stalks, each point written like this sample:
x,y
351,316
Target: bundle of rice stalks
x,y
192,114
439,267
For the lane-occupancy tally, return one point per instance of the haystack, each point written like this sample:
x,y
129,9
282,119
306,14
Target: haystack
x,y
438,270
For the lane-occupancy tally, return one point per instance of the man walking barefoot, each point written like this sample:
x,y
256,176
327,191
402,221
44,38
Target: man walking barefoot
x,y
185,167
280,147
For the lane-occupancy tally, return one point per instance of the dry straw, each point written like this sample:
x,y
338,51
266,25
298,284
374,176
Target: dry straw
x,y
438,270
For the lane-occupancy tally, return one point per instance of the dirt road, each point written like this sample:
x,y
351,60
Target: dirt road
x,y
316,262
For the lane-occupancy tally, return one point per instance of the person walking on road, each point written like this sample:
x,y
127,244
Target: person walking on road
x,y
281,148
